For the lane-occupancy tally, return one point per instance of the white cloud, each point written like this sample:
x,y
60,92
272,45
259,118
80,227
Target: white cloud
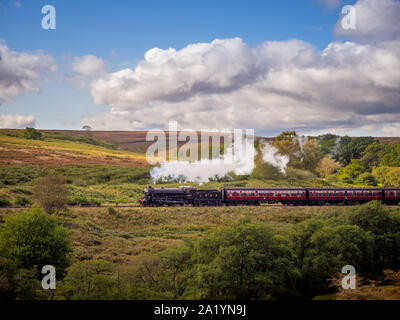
x,y
271,87
19,70
375,21
10,121
89,66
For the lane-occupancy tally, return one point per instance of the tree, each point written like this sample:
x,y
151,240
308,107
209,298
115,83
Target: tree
x,y
264,170
373,154
384,226
243,261
368,179
52,192
327,166
328,143
391,158
324,246
286,143
392,178
351,149
312,155
92,280
87,128
353,170
32,134
381,173
34,239
387,176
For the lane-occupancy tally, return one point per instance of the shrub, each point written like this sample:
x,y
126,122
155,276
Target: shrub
x,y
368,179
4,202
298,174
22,201
31,133
91,280
52,193
34,239
19,174
327,166
111,211
242,262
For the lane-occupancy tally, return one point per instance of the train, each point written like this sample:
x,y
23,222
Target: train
x,y
190,196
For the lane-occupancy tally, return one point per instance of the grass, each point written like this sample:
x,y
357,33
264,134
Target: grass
x,y
63,149
127,232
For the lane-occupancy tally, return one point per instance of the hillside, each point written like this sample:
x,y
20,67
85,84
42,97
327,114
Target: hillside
x,y
62,149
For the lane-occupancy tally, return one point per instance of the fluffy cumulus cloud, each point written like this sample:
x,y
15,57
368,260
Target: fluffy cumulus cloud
x,y
270,87
376,20
88,66
18,71
16,121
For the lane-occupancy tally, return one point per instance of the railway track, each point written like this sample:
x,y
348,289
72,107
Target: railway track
x,y
238,206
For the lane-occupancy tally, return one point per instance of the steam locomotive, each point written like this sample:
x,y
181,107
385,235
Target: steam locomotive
x,y
159,197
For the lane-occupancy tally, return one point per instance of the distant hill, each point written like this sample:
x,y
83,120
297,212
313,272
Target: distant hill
x,y
58,147
62,148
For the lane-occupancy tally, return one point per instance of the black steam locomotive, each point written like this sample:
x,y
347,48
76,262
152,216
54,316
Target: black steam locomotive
x,y
158,197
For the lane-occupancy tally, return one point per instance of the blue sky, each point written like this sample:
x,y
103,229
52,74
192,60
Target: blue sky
x,y
120,32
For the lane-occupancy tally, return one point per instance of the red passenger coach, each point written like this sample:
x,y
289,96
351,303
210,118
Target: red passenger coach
x,y
255,196
320,196
392,196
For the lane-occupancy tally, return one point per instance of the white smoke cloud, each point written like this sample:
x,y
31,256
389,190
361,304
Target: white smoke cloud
x,y
201,171
10,121
271,155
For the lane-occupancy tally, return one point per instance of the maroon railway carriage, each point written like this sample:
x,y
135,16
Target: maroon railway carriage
x,y
255,196
391,196
320,196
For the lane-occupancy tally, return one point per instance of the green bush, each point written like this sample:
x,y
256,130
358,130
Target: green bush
x,y
244,261
19,174
52,193
22,201
32,134
367,179
111,211
4,202
34,239
299,174
65,136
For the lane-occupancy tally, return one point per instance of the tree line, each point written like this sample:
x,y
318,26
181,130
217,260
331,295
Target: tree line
x,y
244,260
